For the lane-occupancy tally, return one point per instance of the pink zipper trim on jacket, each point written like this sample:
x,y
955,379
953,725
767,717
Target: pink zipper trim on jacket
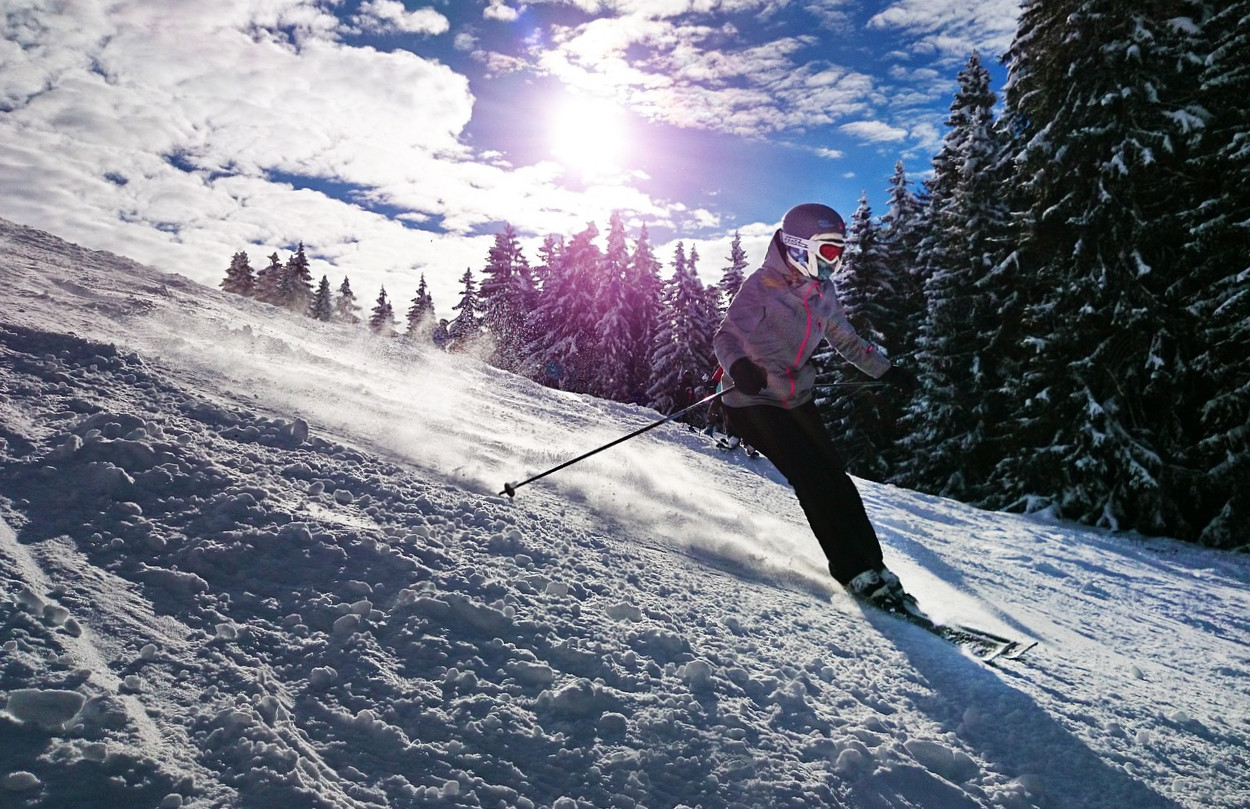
x,y
807,335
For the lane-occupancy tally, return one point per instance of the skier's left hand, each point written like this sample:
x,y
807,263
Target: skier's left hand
x,y
901,378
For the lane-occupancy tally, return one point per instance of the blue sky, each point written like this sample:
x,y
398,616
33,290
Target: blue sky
x,y
395,138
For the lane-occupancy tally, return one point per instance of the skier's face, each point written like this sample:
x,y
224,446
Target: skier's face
x,y
817,257
828,253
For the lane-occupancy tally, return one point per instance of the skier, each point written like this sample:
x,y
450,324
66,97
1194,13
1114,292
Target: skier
x,y
766,342
715,417
442,334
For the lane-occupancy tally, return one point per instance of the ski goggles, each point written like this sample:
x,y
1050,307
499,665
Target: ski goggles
x,y
817,257
827,246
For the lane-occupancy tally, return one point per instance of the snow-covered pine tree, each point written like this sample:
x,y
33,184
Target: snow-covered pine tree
x,y
563,352
268,281
707,317
382,318
240,277
1218,283
853,413
537,365
876,284
466,328
420,316
322,305
735,272
953,424
507,296
675,358
643,300
902,226
1101,411
345,308
548,259
295,284
612,378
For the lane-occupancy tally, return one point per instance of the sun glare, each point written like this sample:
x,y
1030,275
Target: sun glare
x,y
589,136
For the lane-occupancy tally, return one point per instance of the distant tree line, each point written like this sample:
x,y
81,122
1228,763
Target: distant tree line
x,y
585,319
289,285
1071,283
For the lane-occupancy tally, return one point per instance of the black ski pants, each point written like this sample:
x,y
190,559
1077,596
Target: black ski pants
x,y
798,444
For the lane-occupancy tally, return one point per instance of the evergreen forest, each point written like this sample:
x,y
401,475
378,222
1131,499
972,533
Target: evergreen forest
x,y
1070,282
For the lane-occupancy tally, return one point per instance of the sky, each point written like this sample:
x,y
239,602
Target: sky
x,y
248,559
396,138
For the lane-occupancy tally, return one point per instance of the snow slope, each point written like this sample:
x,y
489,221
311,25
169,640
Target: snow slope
x,y
249,560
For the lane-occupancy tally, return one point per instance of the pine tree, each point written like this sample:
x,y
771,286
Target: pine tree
x,y
706,313
710,315
735,272
549,258
901,230
240,277
953,422
612,379
268,281
295,283
864,419
876,286
507,296
1218,284
466,327
564,321
676,357
322,305
865,253
345,307
1093,111
644,302
537,365
421,317
382,318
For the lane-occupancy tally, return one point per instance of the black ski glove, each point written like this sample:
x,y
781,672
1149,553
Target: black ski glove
x,y
748,377
900,378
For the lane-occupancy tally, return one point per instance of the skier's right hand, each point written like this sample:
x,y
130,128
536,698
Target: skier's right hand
x,y
748,377
901,378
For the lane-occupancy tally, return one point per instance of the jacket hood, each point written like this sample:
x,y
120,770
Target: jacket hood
x,y
775,262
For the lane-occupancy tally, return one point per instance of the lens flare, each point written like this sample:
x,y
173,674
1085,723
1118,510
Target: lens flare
x,y
589,137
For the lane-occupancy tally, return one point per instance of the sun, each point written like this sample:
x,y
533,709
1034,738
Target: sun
x,y
589,137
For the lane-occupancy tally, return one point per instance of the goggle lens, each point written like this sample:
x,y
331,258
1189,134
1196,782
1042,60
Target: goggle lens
x,y
829,251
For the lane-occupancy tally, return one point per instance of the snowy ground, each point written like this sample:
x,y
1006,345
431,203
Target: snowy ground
x,y
247,560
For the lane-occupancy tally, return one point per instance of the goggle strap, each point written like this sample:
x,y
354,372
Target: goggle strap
x,y
835,239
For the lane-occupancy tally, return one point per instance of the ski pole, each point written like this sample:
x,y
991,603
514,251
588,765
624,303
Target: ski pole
x,y
854,385
510,488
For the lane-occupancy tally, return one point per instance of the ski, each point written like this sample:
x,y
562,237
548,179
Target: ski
x,y
987,646
984,645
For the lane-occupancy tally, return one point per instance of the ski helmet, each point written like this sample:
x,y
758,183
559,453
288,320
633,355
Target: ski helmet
x,y
814,236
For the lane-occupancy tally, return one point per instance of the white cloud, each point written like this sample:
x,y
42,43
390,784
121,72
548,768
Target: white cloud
x,y
391,15
874,131
179,134
500,11
832,14
954,28
698,76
